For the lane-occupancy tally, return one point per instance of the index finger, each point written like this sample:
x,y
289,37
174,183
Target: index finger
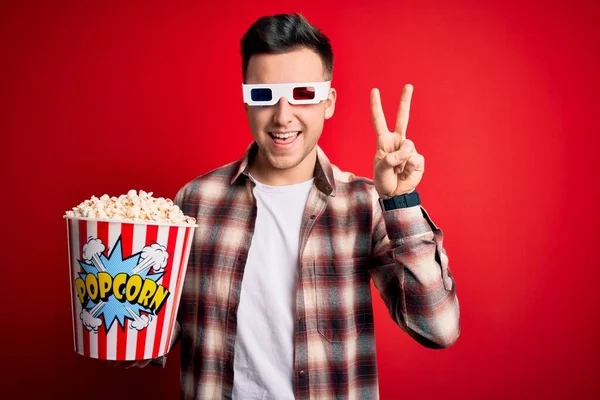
x,y
377,113
404,111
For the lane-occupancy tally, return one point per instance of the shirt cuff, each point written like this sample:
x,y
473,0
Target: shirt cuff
x,y
402,223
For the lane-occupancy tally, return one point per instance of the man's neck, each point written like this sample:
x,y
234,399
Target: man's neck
x,y
265,173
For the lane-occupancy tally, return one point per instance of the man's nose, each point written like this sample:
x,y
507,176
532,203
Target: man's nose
x,y
283,112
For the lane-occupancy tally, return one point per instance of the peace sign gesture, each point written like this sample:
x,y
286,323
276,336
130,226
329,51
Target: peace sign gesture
x,y
398,168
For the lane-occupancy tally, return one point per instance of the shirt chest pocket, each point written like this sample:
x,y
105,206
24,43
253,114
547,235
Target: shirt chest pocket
x,y
341,293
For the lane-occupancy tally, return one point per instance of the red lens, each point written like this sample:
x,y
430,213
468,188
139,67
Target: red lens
x,y
304,93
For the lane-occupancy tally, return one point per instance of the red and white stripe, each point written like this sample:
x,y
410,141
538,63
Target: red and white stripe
x,y
119,343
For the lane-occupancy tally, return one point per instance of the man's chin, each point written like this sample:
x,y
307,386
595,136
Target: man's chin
x,y
284,162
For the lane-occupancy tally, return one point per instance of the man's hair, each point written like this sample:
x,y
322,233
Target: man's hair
x,y
282,33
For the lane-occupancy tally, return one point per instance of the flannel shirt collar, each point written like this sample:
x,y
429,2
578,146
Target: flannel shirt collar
x,y
324,179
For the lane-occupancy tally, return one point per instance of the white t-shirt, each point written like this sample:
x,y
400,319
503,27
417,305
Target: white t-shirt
x,y
264,347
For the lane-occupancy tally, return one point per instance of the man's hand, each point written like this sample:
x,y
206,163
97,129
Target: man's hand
x,y
130,364
398,168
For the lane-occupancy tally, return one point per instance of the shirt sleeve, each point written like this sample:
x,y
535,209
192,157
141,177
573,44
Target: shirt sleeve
x,y
179,197
409,268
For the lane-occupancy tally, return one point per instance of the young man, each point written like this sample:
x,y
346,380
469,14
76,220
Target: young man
x,y
277,301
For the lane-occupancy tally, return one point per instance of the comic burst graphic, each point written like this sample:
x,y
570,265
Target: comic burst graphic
x,y
148,264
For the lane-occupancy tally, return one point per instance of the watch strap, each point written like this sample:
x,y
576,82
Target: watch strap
x,y
401,201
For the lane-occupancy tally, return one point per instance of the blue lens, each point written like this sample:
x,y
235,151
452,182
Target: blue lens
x,y
263,94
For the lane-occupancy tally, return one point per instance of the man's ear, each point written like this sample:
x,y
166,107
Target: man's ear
x,y
330,103
246,109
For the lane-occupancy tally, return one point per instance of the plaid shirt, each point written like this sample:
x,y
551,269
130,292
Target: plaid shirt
x,y
345,240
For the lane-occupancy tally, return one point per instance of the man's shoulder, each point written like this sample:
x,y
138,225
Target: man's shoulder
x,y
210,182
347,181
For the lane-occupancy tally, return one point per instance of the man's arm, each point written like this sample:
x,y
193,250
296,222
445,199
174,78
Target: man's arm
x,y
409,267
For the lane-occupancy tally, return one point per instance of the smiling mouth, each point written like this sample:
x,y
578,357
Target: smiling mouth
x,y
283,138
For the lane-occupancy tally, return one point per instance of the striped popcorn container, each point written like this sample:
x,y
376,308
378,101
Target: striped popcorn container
x,y
126,280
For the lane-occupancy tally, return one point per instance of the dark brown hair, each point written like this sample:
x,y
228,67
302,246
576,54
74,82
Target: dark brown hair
x,y
282,33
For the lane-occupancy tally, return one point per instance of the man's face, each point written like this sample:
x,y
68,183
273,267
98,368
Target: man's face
x,y
285,133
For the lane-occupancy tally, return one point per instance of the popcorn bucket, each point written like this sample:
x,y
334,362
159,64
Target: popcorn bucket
x,y
126,279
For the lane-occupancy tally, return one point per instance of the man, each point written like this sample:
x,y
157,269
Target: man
x,y
277,301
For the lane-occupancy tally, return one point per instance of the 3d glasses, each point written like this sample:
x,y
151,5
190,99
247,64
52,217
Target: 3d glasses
x,y
295,93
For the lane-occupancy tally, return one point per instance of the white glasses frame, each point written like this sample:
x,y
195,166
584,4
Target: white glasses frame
x,y
279,90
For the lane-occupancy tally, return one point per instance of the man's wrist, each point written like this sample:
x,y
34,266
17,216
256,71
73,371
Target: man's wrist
x,y
405,200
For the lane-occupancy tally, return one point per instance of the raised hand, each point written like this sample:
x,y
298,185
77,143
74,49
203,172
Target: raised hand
x,y
398,168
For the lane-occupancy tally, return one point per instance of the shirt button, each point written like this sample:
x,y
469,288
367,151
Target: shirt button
x,y
302,373
313,216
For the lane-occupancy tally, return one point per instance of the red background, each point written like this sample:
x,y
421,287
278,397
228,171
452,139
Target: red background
x,y
100,97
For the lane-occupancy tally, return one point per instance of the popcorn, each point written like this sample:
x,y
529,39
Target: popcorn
x,y
133,207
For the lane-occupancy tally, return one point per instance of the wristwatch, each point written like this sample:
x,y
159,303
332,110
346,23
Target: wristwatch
x,y
401,201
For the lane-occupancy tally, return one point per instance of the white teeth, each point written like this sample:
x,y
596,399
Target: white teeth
x,y
285,135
